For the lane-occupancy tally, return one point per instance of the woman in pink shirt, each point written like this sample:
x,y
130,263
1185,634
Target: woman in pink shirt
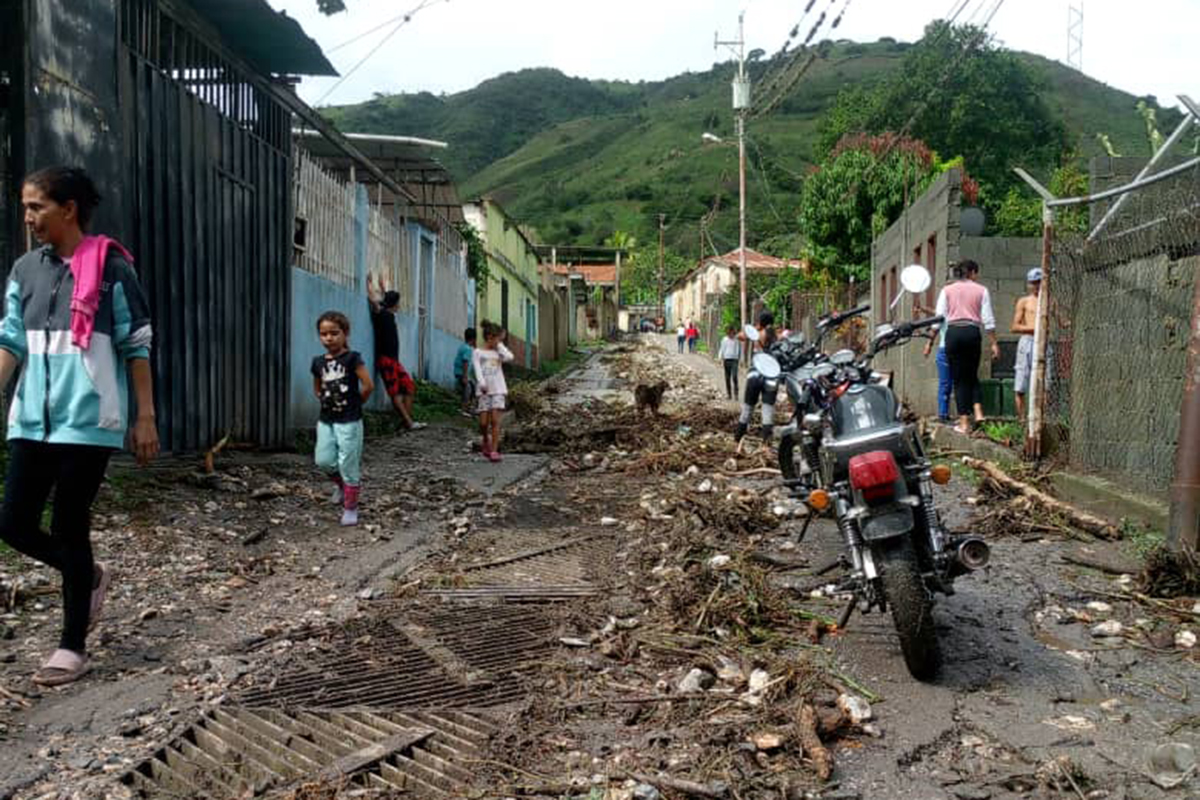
x,y
967,307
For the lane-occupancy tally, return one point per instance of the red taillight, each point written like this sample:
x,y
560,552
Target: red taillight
x,y
875,475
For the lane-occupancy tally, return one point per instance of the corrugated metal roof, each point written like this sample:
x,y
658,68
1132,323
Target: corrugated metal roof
x,y
268,39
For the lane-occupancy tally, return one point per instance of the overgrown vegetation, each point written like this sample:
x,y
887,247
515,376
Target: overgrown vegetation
x,y
1005,432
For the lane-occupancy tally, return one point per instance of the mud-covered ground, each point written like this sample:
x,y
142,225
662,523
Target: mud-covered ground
x,y
226,584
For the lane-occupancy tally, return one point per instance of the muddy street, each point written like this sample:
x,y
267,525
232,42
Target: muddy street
x,y
621,608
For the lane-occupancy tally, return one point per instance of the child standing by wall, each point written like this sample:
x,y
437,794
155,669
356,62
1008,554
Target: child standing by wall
x,y
343,383
462,370
491,388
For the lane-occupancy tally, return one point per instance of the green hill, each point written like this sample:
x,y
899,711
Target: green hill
x,y
576,159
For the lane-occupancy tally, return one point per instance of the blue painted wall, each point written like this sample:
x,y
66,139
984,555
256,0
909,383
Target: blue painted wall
x,y
313,295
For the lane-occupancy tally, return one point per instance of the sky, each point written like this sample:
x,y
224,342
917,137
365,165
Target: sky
x,y
452,45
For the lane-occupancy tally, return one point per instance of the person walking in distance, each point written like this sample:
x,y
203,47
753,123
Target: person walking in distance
x,y
398,384
463,372
945,385
967,308
693,333
77,323
1025,323
342,383
680,336
730,353
489,361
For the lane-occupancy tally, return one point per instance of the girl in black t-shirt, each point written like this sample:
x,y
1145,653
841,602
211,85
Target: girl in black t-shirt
x,y
342,383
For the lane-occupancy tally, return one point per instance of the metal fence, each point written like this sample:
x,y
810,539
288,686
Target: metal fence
x,y
451,300
1119,322
390,256
325,214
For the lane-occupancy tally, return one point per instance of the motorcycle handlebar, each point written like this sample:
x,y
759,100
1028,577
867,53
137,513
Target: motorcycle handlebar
x,y
834,320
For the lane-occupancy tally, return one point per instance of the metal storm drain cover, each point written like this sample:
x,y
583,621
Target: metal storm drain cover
x,y
241,752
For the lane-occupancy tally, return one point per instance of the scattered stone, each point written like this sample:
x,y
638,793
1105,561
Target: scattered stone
x,y
369,593
719,561
705,487
1099,607
788,546
854,707
730,671
972,741
589,460
1171,764
873,730
1107,628
1071,722
759,679
692,471
731,465
766,741
1196,607
608,522
697,680
1185,639
644,791
1111,705
148,614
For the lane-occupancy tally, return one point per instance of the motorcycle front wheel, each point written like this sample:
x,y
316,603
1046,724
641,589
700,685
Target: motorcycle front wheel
x,y
911,605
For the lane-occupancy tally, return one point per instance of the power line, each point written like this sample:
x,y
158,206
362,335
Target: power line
x,y
401,21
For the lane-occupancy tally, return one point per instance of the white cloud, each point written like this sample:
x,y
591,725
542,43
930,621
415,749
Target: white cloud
x,y
450,46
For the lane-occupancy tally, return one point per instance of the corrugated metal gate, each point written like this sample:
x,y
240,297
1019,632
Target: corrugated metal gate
x,y
208,159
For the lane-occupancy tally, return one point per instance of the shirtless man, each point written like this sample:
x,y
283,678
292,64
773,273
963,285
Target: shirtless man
x,y
1024,322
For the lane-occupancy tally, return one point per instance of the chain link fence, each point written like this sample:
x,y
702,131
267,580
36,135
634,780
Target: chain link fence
x,y
1120,316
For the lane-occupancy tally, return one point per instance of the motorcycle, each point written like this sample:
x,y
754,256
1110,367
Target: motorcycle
x,y
874,476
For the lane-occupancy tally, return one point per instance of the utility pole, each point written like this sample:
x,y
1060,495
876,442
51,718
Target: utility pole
x,y
662,227
741,103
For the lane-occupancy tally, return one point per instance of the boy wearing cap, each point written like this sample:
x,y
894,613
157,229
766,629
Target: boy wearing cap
x,y
1024,322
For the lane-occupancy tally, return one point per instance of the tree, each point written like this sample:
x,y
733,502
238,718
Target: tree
x,y
964,95
858,192
1020,213
639,274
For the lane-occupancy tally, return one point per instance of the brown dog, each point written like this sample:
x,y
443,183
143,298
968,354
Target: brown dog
x,y
650,396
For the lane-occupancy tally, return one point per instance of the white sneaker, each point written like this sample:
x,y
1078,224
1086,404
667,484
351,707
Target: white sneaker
x,y
350,516
416,426
338,496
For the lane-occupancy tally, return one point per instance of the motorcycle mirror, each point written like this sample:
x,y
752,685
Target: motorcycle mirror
x,y
915,279
882,331
751,333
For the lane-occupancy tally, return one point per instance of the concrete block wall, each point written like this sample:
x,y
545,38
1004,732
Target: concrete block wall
x,y
1130,325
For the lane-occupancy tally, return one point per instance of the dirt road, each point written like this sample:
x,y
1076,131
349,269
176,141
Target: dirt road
x,y
530,630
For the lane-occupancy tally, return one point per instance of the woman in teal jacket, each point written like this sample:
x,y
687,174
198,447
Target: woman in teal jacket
x,y
77,324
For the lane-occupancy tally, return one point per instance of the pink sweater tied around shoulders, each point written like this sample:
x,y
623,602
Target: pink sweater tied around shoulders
x,y
87,268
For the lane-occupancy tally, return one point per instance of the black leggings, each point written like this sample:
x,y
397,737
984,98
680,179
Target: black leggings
x,y
964,344
74,472
731,377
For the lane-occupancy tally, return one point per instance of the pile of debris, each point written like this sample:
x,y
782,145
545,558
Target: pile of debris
x,y
702,673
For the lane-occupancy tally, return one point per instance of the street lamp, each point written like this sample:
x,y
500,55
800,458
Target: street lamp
x,y
713,138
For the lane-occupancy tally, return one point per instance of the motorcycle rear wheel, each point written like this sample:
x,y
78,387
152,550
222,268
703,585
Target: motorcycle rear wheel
x,y
912,607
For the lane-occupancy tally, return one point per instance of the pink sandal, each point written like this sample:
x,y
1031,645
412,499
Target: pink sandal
x,y
99,591
63,667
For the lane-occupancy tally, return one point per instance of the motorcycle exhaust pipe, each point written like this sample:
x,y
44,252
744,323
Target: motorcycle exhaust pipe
x,y
973,553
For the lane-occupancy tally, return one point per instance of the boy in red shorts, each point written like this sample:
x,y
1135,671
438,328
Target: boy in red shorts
x,y
395,378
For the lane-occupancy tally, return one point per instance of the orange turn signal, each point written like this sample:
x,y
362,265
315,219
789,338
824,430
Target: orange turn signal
x,y
819,499
940,474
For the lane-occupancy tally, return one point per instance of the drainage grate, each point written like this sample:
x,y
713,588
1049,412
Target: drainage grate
x,y
377,664
241,752
544,567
